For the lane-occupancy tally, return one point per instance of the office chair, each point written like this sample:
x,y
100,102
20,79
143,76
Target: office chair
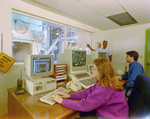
x,y
139,99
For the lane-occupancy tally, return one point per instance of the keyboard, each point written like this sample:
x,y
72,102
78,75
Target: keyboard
x,y
82,75
48,98
88,81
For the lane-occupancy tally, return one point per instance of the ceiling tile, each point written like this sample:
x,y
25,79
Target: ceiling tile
x,y
85,13
106,24
134,4
95,12
58,4
80,11
104,7
123,19
142,15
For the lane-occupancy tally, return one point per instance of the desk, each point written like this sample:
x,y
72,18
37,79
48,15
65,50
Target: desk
x,y
122,82
25,106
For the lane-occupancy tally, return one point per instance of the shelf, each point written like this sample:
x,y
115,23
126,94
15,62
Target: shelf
x,y
61,74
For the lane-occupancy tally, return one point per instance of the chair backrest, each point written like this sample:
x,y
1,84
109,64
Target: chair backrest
x,y
139,99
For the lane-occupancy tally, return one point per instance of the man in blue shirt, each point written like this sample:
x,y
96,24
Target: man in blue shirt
x,y
135,68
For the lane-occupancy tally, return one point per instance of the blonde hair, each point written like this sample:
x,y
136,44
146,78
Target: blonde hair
x,y
107,74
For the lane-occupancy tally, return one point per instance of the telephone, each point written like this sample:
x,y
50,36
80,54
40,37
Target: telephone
x,y
73,85
19,89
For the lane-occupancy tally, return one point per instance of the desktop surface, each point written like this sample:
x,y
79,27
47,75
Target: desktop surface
x,y
31,107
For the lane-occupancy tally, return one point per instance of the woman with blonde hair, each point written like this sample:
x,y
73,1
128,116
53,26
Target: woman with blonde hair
x,y
105,99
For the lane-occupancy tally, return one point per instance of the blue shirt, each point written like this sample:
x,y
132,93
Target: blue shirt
x,y
135,68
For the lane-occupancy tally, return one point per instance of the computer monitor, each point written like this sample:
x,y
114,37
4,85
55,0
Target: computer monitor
x,y
102,54
75,59
97,54
39,65
78,58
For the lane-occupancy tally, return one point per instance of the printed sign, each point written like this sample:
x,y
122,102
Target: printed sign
x,y
5,62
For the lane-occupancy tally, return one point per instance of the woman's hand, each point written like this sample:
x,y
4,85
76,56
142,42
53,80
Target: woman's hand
x,y
57,98
63,95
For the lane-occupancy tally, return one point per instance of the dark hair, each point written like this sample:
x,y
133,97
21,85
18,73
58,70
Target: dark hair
x,y
133,54
105,41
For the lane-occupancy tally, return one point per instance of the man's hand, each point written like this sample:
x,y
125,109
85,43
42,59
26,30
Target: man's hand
x,y
119,78
88,45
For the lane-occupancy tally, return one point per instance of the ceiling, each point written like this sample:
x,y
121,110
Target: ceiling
x,y
96,12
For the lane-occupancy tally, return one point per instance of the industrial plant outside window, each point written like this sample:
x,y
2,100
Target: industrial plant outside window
x,y
34,36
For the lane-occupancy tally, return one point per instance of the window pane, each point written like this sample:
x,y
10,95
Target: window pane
x,y
78,39
35,37
55,45
20,50
71,38
84,38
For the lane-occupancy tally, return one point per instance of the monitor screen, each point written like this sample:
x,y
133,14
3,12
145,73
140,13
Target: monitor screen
x,y
78,58
39,65
90,68
102,54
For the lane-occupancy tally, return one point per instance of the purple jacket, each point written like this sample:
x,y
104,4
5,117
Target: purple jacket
x,y
107,102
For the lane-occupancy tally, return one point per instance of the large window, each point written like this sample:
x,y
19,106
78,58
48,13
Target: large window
x,y
34,36
71,38
78,39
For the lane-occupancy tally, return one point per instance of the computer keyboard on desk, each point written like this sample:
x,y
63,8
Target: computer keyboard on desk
x,y
88,81
48,98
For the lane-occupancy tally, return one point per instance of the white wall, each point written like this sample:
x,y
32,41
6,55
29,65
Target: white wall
x,y
119,41
126,39
9,79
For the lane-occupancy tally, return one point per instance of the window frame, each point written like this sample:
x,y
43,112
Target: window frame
x,y
50,21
